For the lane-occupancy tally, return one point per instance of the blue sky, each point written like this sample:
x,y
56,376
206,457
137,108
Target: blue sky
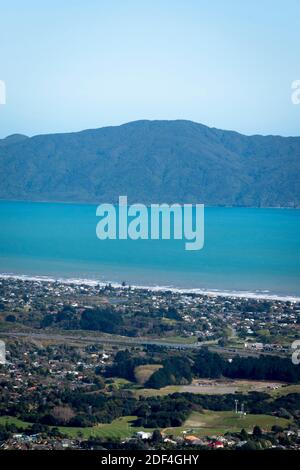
x,y
72,65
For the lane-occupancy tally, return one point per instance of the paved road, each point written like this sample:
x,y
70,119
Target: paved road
x,y
102,340
135,341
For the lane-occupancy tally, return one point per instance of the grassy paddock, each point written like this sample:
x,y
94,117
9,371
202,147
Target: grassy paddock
x,y
207,423
223,386
143,373
285,390
119,429
153,392
178,339
211,423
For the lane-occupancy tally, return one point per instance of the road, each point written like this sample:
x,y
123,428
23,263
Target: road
x,y
101,340
110,340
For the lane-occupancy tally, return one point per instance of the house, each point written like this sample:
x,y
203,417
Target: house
x,y
143,435
194,440
169,441
216,445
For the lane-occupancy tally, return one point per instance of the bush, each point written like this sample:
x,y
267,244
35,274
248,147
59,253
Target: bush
x,y
106,320
10,318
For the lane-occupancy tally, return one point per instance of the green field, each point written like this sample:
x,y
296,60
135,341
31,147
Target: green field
x,y
220,387
285,390
119,429
120,383
177,339
143,373
207,423
151,392
211,423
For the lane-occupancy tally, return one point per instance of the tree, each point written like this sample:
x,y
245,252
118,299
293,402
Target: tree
x,y
101,319
156,436
223,342
99,381
47,320
10,318
276,429
62,414
250,445
38,428
257,432
175,371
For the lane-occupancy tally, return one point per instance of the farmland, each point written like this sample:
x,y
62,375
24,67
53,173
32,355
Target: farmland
x,y
119,429
211,423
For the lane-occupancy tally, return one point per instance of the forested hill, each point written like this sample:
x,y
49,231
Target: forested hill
x,y
153,161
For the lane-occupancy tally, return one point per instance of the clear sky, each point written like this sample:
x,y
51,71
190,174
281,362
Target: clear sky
x,y
74,64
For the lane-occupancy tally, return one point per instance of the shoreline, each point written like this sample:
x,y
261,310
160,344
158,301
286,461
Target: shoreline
x,y
91,203
156,288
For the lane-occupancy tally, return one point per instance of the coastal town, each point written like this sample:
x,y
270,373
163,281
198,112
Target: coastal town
x,y
234,323
92,366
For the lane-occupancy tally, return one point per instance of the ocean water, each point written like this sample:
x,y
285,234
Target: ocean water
x,y
246,250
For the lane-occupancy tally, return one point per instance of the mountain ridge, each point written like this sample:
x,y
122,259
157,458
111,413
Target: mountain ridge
x,y
149,121
153,161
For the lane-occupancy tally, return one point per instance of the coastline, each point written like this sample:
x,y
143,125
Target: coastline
x,y
264,295
96,203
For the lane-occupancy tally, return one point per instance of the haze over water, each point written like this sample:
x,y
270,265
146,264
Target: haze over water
x,y
246,249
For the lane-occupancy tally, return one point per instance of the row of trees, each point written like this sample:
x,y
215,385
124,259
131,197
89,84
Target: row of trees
x,y
81,409
179,369
104,319
211,365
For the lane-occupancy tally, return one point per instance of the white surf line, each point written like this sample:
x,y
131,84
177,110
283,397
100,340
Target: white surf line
x,y
115,285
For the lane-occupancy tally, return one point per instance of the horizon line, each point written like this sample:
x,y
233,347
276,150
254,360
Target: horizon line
x,y
149,121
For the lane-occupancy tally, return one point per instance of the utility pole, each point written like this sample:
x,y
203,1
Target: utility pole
x,y
236,406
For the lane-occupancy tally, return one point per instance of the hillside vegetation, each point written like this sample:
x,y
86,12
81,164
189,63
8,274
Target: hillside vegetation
x,y
153,161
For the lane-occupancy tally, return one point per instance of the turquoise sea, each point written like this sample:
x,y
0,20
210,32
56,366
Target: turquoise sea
x,y
245,250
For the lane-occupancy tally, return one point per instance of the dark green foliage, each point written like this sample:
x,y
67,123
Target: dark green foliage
x,y
106,320
153,161
156,436
277,428
263,368
173,314
163,412
176,370
250,445
47,320
124,365
244,435
208,365
90,409
152,412
211,365
257,432
10,318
